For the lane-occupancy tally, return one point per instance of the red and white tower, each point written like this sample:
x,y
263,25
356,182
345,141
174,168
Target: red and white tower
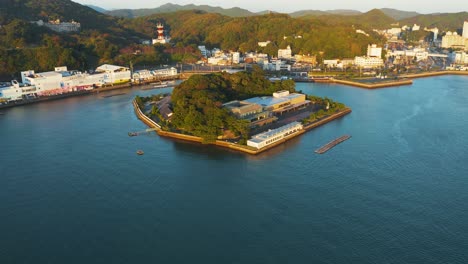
x,y
162,39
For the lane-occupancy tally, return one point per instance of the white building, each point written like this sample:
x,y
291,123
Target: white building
x,y
276,65
58,26
368,62
235,57
415,27
204,52
374,51
285,53
274,135
264,43
465,30
453,40
114,74
360,31
330,63
15,91
459,57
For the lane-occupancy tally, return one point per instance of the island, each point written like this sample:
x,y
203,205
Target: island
x,y
243,111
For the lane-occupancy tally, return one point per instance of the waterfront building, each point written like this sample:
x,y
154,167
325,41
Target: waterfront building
x,y
459,57
276,65
114,74
330,63
15,91
285,53
368,62
465,30
162,37
274,135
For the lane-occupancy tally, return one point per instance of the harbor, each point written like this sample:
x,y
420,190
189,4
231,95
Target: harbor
x,y
332,144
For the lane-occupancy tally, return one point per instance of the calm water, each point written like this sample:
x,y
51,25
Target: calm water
x,y
72,189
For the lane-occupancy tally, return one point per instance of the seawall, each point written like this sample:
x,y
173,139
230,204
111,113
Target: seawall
x,y
224,144
374,85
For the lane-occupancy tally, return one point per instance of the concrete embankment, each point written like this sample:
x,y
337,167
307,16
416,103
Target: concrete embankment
x,y
382,84
431,74
246,149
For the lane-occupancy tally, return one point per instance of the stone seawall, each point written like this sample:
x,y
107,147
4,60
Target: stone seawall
x,y
225,144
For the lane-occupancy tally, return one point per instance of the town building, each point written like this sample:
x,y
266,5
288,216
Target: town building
x,y
459,57
274,135
162,37
235,57
306,59
62,27
465,30
263,43
453,40
281,102
285,53
415,27
204,52
374,51
114,74
144,75
368,62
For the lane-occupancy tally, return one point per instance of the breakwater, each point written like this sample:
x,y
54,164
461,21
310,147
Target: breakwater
x,y
382,84
332,144
246,149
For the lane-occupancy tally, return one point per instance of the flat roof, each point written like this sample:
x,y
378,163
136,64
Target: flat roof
x,y
270,100
273,132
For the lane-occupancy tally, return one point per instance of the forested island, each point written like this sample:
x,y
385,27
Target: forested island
x,y
199,106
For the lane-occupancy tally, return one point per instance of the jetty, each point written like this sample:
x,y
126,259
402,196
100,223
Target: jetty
x,y
331,144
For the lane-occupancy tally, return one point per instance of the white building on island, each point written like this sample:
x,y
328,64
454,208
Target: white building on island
x,y
274,135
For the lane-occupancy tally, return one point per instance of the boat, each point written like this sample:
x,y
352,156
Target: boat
x,y
132,134
140,152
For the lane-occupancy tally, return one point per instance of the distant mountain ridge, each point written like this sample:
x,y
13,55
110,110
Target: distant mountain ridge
x,y
240,12
169,8
97,8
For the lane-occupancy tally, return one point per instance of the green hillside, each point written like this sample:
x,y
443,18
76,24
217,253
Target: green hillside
x,y
398,14
306,36
444,21
373,19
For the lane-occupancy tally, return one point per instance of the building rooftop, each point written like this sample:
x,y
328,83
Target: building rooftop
x,y
273,132
266,101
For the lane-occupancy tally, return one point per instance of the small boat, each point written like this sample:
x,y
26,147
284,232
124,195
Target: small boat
x,y
132,134
140,152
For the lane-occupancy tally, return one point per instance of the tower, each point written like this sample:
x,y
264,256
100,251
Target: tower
x,y
161,39
160,29
465,29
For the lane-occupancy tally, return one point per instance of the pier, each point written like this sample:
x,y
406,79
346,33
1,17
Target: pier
x,y
331,144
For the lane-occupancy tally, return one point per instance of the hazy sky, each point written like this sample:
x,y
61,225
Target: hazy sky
x,y
431,6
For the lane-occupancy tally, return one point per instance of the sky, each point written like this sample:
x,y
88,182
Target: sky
x,y
430,6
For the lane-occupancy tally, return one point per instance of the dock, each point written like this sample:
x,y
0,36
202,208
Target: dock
x,y
332,143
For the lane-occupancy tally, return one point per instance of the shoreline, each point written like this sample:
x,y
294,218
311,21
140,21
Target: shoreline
x,y
245,149
392,83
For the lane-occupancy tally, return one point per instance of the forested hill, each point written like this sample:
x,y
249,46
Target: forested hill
x,y
375,18
25,45
306,36
65,10
444,21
